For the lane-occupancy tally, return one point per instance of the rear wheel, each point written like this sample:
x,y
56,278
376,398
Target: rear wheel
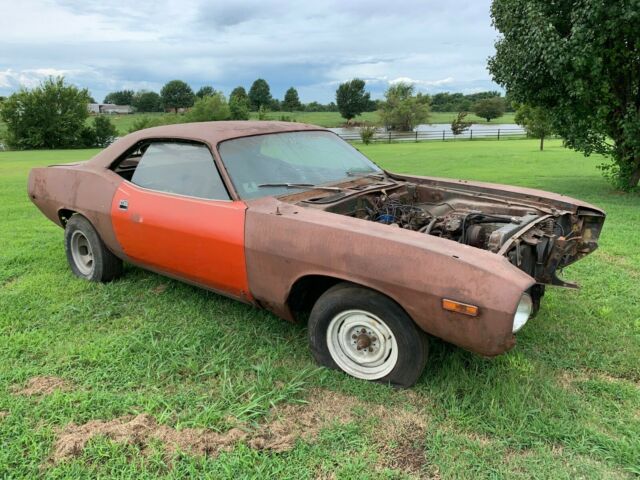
x,y
87,254
367,336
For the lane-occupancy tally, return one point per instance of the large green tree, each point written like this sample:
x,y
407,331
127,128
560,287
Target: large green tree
x,y
352,99
121,97
144,101
177,94
291,102
579,60
489,108
402,110
260,94
51,115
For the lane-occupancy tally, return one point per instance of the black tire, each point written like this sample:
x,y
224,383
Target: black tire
x,y
536,292
103,266
412,343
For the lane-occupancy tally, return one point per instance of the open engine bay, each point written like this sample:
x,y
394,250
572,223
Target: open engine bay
x,y
537,238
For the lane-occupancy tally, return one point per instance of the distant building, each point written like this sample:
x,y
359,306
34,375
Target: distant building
x,y
109,108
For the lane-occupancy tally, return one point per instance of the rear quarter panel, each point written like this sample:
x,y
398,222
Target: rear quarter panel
x,y
284,243
83,190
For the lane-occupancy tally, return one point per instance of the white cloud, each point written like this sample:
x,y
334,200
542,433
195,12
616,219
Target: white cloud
x,y
425,83
310,45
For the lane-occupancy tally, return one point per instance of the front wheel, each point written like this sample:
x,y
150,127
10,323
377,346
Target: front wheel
x,y
367,336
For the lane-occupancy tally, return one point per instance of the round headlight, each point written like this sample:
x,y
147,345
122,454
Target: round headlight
x,y
525,307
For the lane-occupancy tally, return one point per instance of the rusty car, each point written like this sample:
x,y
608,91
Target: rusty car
x,y
290,218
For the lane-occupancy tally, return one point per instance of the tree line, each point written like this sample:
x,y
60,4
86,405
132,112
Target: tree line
x,y
178,94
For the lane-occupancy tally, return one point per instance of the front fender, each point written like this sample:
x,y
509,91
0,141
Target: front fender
x,y
284,242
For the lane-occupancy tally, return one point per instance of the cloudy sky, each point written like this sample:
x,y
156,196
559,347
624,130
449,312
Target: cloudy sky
x,y
312,45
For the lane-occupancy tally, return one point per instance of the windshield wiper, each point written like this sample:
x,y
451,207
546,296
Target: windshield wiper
x,y
364,173
299,185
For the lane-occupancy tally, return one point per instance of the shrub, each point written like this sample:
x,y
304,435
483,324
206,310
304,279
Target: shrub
x,y
51,115
105,131
459,124
148,122
402,110
209,108
367,132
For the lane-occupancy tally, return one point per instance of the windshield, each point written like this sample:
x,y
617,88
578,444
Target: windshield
x,y
264,164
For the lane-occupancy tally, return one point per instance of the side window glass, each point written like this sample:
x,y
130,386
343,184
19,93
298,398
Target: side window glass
x,y
182,168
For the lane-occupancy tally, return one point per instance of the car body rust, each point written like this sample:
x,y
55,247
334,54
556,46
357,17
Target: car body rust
x,y
266,248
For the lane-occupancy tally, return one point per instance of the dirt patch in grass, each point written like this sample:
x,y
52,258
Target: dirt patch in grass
x,y
42,386
140,430
287,423
568,378
159,288
398,433
3,414
401,439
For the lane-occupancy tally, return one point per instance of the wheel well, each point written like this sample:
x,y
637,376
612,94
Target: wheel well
x,y
306,290
64,215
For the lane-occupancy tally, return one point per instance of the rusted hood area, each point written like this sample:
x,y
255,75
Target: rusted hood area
x,y
524,195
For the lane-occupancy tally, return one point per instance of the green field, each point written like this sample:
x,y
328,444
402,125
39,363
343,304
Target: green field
x,y
565,403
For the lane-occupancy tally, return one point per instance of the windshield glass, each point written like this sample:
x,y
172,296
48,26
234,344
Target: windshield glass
x,y
295,158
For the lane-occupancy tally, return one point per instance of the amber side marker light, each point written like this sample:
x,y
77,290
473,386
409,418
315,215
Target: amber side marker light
x,y
460,307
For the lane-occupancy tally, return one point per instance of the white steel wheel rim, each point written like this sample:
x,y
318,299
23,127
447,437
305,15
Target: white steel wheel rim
x,y
82,253
349,331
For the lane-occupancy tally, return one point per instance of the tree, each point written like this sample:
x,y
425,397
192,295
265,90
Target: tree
x,y
489,108
209,108
259,94
459,125
177,94
579,61
144,101
402,110
240,93
205,91
535,120
291,102
51,115
121,97
351,98
239,105
105,131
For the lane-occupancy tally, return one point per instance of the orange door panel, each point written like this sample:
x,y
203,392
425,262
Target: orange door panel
x,y
195,239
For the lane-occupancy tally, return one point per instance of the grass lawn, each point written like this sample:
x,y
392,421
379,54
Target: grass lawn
x,y
565,403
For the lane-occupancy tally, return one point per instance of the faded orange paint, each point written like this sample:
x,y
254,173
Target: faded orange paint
x,y
198,240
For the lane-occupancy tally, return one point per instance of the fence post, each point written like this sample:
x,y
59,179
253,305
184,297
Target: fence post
x,y
498,134
416,136
389,136
443,135
471,134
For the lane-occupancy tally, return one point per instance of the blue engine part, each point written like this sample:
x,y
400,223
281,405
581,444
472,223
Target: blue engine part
x,y
386,218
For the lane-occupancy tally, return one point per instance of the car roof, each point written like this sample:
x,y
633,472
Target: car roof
x,y
211,133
